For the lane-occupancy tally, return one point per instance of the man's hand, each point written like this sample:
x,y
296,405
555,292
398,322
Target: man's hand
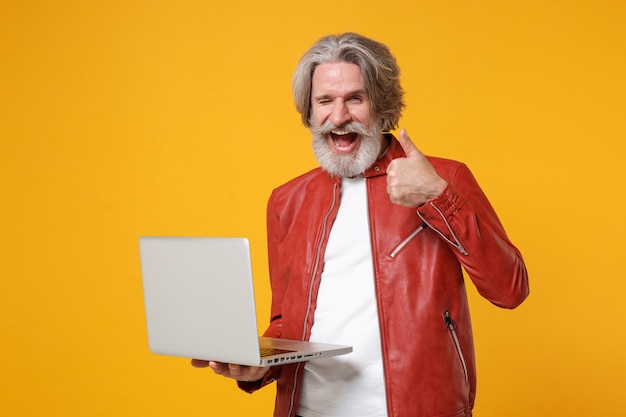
x,y
412,181
230,370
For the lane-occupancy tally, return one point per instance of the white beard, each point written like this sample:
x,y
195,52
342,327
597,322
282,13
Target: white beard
x,y
348,165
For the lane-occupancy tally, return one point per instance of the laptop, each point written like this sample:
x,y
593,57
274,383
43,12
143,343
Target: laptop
x,y
199,302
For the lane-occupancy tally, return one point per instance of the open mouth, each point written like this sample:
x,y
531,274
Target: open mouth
x,y
343,141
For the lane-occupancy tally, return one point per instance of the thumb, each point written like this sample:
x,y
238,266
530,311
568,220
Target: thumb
x,y
407,145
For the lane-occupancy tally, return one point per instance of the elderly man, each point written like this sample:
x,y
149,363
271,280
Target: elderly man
x,y
368,250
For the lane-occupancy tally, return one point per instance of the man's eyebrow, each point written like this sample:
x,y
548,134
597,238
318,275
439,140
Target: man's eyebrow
x,y
322,97
359,92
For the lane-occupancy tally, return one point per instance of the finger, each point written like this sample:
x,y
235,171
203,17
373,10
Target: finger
x,y
197,363
240,372
219,368
236,371
407,144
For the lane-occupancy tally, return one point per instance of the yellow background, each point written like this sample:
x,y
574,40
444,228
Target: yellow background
x,y
125,118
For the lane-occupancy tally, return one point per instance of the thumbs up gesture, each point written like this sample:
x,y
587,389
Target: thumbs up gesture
x,y
412,181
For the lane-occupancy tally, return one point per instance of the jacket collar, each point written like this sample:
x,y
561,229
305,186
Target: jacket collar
x,y
393,151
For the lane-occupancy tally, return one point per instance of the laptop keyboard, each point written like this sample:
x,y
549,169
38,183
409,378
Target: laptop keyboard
x,y
273,351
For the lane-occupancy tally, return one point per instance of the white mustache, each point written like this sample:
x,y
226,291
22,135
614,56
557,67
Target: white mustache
x,y
352,127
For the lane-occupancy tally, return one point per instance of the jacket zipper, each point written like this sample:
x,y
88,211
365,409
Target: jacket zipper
x,y
451,325
456,243
318,255
407,240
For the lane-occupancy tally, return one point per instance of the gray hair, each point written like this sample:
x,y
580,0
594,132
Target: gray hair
x,y
379,71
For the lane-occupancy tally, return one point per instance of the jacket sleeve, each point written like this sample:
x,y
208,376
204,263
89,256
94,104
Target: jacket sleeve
x,y
465,219
277,285
253,386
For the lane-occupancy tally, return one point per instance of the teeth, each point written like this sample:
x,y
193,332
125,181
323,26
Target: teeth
x,y
339,132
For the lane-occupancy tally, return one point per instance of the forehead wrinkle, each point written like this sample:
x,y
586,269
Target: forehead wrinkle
x,y
337,79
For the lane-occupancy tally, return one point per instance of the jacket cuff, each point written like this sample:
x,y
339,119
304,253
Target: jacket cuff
x,y
448,203
267,379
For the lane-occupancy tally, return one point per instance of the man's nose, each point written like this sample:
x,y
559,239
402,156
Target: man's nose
x,y
340,114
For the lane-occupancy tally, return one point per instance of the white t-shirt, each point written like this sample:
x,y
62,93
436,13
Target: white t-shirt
x,y
346,313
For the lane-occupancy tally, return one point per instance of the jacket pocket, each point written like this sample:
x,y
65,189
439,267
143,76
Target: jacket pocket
x,y
402,244
451,325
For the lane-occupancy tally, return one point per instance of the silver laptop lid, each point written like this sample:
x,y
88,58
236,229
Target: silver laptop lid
x,y
199,298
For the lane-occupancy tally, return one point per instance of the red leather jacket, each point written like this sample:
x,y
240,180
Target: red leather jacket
x,y
426,334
